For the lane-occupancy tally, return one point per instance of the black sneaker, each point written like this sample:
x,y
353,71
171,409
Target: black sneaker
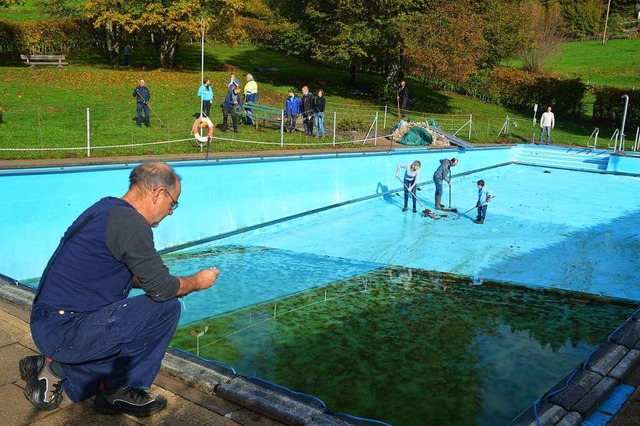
x,y
43,388
135,401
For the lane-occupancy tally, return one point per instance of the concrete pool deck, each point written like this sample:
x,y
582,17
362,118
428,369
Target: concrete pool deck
x,y
633,403
187,405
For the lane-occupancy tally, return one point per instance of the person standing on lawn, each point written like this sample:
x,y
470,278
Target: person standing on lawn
x,y
143,96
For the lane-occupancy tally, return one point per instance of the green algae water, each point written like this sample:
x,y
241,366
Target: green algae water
x,y
408,346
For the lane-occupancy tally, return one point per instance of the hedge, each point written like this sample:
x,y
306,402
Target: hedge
x,y
608,108
521,90
47,37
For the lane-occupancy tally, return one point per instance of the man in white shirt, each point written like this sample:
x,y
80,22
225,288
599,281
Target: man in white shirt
x,y
547,122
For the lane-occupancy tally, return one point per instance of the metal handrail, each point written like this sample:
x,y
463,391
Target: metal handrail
x,y
636,145
614,138
594,135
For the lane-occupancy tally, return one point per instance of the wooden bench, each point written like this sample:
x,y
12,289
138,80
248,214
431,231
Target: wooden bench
x,y
262,112
33,60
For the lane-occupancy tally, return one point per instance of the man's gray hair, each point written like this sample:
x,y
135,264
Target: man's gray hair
x,y
153,175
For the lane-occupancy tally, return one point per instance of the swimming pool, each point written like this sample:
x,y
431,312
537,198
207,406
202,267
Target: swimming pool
x,y
547,228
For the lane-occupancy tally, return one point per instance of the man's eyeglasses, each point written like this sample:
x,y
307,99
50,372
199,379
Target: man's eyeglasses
x,y
174,203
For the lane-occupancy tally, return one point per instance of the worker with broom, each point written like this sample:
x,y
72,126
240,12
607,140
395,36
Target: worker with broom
x,y
411,178
443,172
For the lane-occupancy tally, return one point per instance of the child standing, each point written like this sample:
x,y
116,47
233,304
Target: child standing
x,y
484,196
291,111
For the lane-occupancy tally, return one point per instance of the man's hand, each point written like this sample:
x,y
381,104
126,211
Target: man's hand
x,y
207,277
201,280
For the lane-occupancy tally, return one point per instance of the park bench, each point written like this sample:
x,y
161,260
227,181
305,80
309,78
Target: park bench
x,y
262,112
33,60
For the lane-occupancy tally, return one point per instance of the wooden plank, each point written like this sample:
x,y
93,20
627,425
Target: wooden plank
x,y
44,57
59,64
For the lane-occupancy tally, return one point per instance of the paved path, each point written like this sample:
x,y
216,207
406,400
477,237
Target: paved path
x,y
186,405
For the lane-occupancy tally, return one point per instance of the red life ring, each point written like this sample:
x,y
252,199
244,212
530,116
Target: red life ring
x,y
201,123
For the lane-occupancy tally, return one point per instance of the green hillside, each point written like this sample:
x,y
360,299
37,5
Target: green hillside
x,y
616,63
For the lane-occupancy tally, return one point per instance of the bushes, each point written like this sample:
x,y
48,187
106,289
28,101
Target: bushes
x,y
47,37
521,90
608,108
351,124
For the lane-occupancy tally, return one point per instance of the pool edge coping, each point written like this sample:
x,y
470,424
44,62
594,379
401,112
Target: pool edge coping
x,y
568,401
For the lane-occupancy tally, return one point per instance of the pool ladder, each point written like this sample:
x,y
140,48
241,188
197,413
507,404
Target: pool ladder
x,y
594,136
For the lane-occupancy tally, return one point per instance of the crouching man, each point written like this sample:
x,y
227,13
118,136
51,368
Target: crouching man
x,y
95,340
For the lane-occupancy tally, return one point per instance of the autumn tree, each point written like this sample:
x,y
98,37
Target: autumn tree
x,y
440,40
7,3
444,45
159,23
545,34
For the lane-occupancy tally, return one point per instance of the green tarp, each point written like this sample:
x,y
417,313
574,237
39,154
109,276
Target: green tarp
x,y
417,136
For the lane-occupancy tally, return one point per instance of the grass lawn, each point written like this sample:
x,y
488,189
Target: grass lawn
x,y
615,64
28,11
46,108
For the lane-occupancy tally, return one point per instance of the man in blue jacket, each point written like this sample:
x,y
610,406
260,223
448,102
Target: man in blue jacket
x,y
95,340
142,95
229,105
291,111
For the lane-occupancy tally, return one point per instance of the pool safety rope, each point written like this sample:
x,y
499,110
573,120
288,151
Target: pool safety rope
x,y
200,124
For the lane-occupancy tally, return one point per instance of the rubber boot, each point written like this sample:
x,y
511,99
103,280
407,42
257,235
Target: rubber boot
x,y
438,205
479,221
404,209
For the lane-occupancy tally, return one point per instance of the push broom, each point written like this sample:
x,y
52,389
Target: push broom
x,y
425,210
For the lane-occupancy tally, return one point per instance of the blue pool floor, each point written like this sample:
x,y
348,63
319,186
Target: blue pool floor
x,y
546,227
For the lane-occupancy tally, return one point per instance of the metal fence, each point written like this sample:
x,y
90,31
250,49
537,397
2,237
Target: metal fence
x,y
97,131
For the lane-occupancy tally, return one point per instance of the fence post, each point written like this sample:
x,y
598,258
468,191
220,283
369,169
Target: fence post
x,y
88,134
281,129
335,119
384,120
39,129
375,132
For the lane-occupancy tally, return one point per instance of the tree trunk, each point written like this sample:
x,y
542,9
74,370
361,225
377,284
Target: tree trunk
x,y
392,75
113,43
168,49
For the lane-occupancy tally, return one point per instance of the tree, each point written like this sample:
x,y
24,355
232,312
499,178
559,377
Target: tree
x,y
504,29
160,23
350,32
544,34
7,3
445,45
581,17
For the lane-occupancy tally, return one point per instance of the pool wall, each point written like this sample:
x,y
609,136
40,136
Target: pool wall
x,y
218,196
221,196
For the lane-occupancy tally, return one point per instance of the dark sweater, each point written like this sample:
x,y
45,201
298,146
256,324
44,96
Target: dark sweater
x,y
95,265
318,104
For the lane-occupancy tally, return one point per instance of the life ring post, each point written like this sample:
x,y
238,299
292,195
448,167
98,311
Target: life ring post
x,y
199,125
